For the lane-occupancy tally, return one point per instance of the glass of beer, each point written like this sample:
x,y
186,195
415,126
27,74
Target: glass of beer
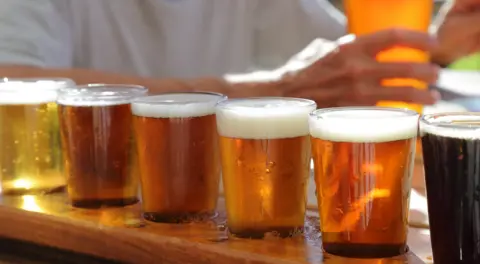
x,y
369,16
179,161
97,144
265,154
363,161
30,153
451,155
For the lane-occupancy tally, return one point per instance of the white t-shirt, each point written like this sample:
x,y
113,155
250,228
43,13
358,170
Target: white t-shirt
x,y
163,38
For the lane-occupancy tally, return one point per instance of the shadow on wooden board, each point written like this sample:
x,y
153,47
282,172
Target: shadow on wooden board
x,y
21,252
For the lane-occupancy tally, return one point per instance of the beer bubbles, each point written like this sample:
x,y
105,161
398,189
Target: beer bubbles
x,y
30,154
265,150
179,163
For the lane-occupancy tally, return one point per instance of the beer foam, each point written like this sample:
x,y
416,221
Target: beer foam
x,y
452,125
28,98
176,105
31,91
100,95
90,102
364,125
264,118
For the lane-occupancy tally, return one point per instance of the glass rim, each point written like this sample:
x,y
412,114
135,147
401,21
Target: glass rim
x,y
21,85
227,104
435,120
325,111
150,99
100,92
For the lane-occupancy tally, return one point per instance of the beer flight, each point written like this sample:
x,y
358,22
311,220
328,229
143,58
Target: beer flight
x,y
110,139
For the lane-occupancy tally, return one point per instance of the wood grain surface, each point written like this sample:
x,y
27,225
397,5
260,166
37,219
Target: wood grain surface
x,y
121,234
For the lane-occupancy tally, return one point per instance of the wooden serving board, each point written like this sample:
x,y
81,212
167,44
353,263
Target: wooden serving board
x,y
121,234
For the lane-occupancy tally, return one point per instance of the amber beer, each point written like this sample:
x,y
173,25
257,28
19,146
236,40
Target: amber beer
x,y
177,145
97,143
30,154
369,16
363,159
451,144
265,153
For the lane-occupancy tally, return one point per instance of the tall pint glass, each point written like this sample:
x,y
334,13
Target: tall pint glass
x,y
97,144
30,154
363,167
265,154
368,16
179,160
451,154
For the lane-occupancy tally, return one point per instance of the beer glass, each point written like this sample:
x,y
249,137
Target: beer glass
x,y
30,154
179,163
369,16
265,154
363,159
97,144
451,154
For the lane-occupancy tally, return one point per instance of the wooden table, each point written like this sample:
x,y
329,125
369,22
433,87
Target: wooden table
x,y
120,234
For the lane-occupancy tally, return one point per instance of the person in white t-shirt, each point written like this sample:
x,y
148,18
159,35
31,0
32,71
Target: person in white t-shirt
x,y
236,47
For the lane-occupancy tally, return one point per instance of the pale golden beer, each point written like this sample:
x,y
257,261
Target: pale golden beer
x,y
363,160
98,145
265,153
30,153
179,161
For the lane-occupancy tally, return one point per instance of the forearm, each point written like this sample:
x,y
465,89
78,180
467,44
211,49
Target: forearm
x,y
86,76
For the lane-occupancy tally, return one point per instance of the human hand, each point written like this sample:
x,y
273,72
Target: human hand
x,y
351,76
459,33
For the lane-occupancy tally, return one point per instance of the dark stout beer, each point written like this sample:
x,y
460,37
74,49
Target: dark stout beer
x,y
30,153
98,147
451,156
363,160
177,145
265,151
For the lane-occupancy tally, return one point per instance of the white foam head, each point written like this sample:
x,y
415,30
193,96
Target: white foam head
x,y
452,125
100,95
366,124
176,105
264,118
31,91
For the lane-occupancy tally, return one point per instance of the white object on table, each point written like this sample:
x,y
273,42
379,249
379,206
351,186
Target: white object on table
x,y
466,83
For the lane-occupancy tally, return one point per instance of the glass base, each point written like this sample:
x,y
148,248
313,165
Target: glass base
x,y
98,203
365,250
178,218
259,233
32,191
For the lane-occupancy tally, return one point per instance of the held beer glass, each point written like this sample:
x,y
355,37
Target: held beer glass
x,y
97,143
265,153
369,16
30,153
363,161
179,161
451,155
